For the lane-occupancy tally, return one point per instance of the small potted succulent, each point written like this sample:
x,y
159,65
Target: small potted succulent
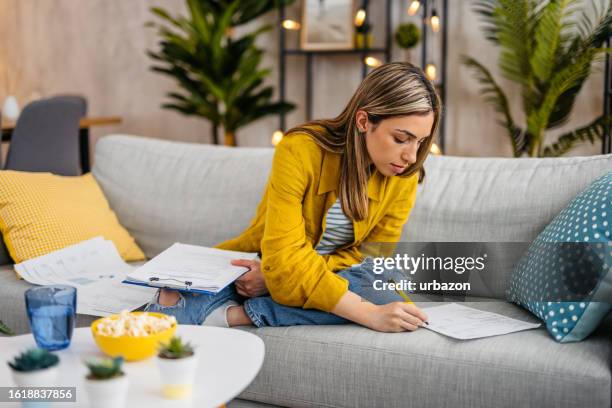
x,y
35,367
106,383
177,362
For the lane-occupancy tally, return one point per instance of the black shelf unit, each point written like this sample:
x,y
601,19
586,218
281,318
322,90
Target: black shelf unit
x,y
426,7
285,52
607,101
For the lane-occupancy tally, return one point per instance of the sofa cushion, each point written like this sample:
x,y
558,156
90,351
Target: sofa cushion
x,y
43,212
351,366
165,192
566,276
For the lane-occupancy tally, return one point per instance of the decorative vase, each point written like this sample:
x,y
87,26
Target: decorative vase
x,y
177,375
46,377
105,393
10,108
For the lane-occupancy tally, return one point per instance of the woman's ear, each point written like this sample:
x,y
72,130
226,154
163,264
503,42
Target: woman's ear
x,y
361,120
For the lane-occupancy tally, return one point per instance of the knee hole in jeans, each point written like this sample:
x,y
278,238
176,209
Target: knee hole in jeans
x,y
171,297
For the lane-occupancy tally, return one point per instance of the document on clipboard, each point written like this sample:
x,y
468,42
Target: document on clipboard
x,y
190,268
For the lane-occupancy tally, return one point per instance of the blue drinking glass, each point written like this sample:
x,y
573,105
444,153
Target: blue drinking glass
x,y
52,313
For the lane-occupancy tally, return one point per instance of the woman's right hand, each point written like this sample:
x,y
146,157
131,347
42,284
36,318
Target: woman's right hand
x,y
392,317
395,317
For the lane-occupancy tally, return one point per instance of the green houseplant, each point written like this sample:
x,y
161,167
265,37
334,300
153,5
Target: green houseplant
x,y
548,49
4,329
175,349
218,73
177,362
106,383
407,35
104,368
34,359
35,367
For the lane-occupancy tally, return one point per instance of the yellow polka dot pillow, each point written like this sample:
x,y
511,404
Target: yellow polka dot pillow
x,y
42,212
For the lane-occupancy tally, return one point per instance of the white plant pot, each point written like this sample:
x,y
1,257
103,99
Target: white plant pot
x,y
46,377
40,378
107,393
177,375
10,109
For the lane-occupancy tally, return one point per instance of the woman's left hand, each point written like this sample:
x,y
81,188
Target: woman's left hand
x,y
252,283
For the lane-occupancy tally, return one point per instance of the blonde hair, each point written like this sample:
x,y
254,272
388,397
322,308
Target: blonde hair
x,y
391,90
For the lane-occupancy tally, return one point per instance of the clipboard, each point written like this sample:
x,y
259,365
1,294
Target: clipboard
x,y
190,268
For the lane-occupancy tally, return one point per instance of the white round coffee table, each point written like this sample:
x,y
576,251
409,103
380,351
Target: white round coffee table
x,y
229,360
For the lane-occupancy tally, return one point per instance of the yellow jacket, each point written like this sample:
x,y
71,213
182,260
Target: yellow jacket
x,y
290,221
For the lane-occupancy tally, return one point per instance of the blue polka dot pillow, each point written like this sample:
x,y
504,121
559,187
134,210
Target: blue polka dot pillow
x,y
565,277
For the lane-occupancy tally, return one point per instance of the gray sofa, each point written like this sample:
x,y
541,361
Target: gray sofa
x,y
164,192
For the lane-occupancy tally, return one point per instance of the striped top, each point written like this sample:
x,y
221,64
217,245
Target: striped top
x,y
338,230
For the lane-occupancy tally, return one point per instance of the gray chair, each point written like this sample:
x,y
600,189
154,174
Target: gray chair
x,y
46,137
78,99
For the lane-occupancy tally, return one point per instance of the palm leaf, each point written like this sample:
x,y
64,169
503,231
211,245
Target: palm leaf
x,y
548,38
562,81
592,35
509,24
199,21
496,97
592,132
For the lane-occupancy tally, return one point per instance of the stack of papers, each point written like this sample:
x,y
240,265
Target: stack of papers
x,y
96,269
191,268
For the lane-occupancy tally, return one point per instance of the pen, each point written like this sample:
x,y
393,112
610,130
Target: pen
x,y
403,295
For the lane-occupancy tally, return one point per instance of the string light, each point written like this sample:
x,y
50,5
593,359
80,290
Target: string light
x,y
277,136
431,72
291,25
414,7
435,21
360,17
435,149
372,62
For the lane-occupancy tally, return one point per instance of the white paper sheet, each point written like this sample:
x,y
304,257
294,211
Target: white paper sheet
x,y
205,268
464,323
96,269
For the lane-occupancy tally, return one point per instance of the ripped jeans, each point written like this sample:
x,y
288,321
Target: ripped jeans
x,y
193,308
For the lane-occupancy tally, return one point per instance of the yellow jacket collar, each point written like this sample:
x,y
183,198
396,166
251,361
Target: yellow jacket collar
x,y
330,177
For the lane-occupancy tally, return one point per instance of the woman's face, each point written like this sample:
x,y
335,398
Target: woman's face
x,y
393,144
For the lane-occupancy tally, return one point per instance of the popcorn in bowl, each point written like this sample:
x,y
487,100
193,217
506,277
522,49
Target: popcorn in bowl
x,y
133,335
134,324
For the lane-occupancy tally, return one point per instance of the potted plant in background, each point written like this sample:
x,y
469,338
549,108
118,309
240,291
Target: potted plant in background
x,y
4,329
407,36
218,74
35,367
177,362
106,383
548,52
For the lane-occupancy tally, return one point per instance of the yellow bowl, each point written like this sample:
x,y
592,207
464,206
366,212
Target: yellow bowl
x,y
132,348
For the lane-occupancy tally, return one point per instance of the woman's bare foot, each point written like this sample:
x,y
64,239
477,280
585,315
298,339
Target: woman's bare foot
x,y
236,316
168,297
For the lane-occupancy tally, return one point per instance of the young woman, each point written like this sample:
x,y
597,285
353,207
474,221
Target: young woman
x,y
335,186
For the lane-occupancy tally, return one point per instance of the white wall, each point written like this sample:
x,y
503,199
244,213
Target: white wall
x,y
97,48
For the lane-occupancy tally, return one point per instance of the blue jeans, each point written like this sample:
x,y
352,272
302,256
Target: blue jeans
x,y
193,308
